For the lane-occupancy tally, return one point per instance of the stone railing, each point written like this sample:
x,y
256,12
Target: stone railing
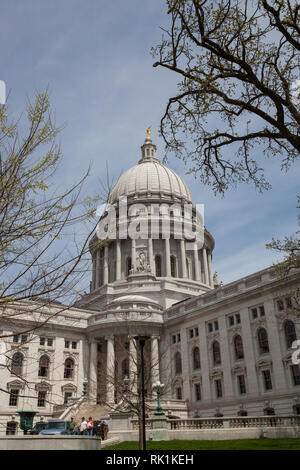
x,y
234,422
226,422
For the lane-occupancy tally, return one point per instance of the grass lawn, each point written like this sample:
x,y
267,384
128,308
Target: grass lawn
x,y
237,444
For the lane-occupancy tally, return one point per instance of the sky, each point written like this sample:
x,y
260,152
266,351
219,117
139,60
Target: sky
x,y
94,58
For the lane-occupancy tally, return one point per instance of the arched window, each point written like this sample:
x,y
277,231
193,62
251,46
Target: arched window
x,y
125,368
178,366
173,265
216,353
238,347
158,266
290,333
69,368
263,342
128,266
17,363
44,366
196,358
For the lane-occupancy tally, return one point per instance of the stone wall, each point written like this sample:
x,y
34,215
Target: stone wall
x,y
50,443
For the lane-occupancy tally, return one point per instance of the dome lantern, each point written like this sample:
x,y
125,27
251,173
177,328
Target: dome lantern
x,y
148,149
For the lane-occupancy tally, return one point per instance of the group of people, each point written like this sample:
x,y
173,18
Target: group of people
x,y
89,428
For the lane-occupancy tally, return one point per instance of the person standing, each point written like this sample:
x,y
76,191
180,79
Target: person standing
x,y
83,426
90,426
72,425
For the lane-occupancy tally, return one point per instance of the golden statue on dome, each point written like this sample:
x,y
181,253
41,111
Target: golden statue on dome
x,y
148,133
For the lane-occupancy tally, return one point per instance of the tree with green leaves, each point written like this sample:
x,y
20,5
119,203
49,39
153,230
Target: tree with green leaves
x,y
238,94
42,256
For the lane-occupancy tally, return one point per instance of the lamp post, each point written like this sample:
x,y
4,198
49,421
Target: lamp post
x,y
158,387
85,384
141,340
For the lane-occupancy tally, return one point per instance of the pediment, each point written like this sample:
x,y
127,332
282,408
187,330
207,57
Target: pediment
x,y
15,384
263,363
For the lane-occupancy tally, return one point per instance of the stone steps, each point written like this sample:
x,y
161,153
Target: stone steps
x,y
95,411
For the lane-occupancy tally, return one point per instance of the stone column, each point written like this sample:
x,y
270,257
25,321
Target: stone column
x,y
92,385
105,266
133,365
94,274
97,277
154,359
185,364
225,359
183,260
210,274
252,381
150,255
196,262
278,379
167,255
118,260
110,369
206,390
206,278
133,254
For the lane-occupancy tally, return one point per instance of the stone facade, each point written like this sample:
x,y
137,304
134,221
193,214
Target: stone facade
x,y
219,350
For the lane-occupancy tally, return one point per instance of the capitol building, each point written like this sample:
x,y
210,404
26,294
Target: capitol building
x,y
219,350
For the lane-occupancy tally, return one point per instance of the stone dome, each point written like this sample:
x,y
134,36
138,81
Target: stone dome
x,y
150,179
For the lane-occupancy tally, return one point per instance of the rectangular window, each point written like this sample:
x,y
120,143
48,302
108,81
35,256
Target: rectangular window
x,y
67,344
42,341
242,384
50,342
191,333
74,345
11,428
238,318
267,379
24,338
262,311
41,399
13,397
218,385
196,331
178,338
288,301
295,374
197,392
178,393
67,396
210,327
216,326
16,338
173,339
231,320
254,313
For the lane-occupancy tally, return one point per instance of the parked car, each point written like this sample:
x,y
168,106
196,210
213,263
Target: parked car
x,y
56,427
37,428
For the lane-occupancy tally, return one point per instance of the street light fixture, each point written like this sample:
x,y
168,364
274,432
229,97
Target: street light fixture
x,y
85,384
141,340
158,387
